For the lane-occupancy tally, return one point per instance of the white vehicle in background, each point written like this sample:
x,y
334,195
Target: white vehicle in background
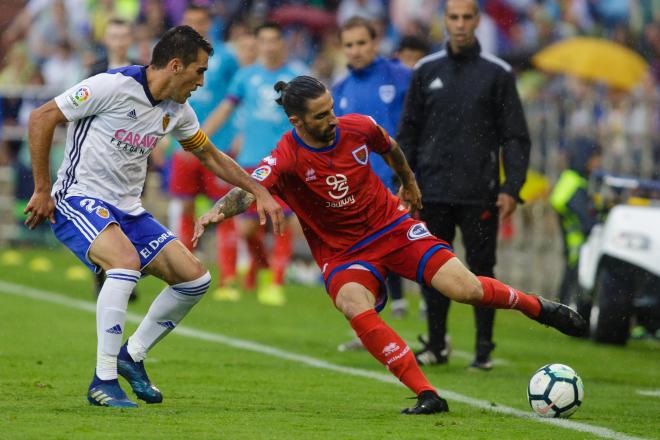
x,y
620,261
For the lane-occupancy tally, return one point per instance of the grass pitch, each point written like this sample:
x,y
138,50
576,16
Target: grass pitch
x,y
294,384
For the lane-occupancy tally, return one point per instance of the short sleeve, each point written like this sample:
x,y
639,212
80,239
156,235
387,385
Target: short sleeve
x,y
272,170
378,137
236,90
187,126
89,97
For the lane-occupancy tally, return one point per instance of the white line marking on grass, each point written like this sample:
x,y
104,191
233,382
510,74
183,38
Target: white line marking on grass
x,y
43,295
651,393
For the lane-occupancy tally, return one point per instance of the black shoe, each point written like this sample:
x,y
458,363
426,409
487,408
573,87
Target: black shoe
x,y
428,402
482,360
429,356
562,318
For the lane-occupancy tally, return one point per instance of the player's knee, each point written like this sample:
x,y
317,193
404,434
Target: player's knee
x,y
195,289
126,260
469,291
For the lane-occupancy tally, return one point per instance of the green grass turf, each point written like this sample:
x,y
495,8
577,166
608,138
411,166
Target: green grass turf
x,y
216,391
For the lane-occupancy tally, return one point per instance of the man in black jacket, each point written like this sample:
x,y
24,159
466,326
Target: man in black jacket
x,y
462,113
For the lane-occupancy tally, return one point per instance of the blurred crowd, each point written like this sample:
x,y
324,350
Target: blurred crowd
x,y
49,45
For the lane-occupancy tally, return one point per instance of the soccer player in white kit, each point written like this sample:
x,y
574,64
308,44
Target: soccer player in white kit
x,y
116,119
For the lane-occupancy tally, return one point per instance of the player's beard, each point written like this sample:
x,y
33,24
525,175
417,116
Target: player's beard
x,y
326,136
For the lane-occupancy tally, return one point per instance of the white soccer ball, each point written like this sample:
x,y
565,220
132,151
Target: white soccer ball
x,y
555,390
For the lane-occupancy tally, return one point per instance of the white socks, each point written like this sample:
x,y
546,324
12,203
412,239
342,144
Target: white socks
x,y
110,317
165,313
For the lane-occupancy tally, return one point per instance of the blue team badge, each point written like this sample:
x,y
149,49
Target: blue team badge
x,y
361,155
386,93
261,173
417,231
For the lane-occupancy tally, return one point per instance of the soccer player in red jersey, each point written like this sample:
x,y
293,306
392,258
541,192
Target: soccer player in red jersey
x,y
358,231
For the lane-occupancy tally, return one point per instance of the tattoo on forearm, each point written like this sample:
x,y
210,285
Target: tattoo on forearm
x,y
235,202
400,165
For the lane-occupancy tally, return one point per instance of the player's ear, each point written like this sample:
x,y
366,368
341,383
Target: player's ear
x,y
295,120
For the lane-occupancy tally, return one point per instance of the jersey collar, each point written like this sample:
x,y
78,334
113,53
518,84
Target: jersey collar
x,y
312,149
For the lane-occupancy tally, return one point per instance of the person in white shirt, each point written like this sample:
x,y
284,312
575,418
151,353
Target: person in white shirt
x,y
116,119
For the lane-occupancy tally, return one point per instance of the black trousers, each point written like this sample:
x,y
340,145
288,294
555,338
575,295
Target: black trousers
x,y
479,225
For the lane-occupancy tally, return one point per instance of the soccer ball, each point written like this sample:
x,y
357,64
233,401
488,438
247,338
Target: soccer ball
x,y
555,390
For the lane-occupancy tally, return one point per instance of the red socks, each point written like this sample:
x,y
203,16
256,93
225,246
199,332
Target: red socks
x,y
390,350
281,256
186,229
227,250
500,296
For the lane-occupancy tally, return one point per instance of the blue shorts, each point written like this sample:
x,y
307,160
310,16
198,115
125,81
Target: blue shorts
x,y
79,220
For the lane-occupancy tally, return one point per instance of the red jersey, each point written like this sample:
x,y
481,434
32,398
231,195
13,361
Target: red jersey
x,y
337,197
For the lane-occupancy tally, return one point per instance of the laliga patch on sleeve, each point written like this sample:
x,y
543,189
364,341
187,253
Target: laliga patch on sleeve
x,y
261,173
79,96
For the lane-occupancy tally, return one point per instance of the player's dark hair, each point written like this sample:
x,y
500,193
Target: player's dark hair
x,y
413,42
357,22
295,94
181,42
269,25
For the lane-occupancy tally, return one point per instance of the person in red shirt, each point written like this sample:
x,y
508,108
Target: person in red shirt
x,y
358,231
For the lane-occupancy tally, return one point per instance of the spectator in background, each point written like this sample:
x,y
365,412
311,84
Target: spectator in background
x,y
263,124
117,39
461,113
375,87
369,9
411,49
189,178
572,203
63,68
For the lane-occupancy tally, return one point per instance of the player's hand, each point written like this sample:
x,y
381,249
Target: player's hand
x,y
506,205
40,207
411,196
211,217
267,205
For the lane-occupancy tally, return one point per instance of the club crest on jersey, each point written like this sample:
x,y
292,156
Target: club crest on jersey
x,y
386,93
79,96
166,121
261,173
418,231
361,155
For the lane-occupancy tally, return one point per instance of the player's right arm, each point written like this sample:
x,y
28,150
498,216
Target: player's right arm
x,y
41,126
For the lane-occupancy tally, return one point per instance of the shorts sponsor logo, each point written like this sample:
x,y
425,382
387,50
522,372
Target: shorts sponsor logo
x,y
417,231
339,184
386,93
154,244
261,173
79,96
361,155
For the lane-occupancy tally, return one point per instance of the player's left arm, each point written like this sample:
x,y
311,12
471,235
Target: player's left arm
x,y
228,170
409,191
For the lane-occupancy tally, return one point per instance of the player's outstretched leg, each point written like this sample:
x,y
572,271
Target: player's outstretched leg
x,y
564,319
428,402
108,393
137,377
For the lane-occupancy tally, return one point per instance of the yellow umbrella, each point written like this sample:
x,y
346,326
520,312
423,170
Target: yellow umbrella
x,y
594,59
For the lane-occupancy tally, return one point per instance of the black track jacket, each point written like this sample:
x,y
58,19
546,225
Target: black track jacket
x,y
459,111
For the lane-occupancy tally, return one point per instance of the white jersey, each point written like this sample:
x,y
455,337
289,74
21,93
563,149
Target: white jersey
x,y
115,125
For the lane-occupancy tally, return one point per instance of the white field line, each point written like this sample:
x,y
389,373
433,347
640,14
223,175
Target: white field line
x,y
52,297
651,393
